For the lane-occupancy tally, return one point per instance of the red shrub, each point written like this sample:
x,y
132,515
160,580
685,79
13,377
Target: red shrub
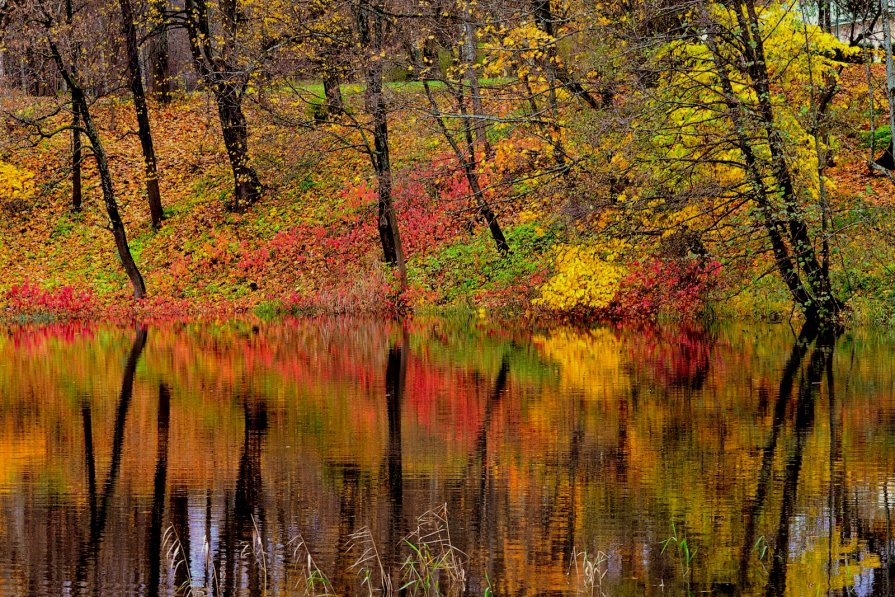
x,y
63,302
678,286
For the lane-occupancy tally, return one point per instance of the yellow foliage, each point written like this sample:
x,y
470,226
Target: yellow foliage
x,y
15,183
585,276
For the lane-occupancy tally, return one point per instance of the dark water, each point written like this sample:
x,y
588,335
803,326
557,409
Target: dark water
x,y
772,459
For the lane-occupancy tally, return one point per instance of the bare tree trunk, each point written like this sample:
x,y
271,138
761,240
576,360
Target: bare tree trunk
x,y
888,161
227,89
105,176
333,95
77,195
117,225
472,77
371,30
236,139
159,67
135,79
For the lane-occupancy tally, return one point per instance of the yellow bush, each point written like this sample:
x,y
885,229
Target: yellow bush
x,y
15,183
584,276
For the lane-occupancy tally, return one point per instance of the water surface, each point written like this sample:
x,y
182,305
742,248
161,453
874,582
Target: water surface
x,y
773,458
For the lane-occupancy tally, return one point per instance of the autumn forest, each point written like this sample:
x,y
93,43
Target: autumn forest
x,y
593,161
447,297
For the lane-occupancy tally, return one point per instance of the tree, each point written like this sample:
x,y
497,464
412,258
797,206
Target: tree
x,y
746,146
226,61
465,103
51,27
159,67
135,82
370,23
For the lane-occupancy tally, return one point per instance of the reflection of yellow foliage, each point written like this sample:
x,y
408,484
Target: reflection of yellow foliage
x,y
586,276
851,560
589,361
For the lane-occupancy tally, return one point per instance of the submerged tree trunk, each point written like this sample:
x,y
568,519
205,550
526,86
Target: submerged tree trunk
x,y
135,79
371,31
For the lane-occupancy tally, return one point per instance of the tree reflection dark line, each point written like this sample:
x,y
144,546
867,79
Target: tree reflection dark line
x,y
479,458
395,382
248,507
87,423
823,351
99,511
158,492
784,392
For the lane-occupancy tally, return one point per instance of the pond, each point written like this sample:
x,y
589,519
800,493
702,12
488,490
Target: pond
x,y
348,455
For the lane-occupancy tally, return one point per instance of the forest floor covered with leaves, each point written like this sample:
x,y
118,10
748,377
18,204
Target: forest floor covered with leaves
x,y
311,244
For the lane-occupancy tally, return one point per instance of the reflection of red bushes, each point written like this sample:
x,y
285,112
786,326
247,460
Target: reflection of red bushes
x,y
32,339
674,357
64,302
676,286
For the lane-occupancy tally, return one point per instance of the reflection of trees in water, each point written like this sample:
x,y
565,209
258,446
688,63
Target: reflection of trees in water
x,y
154,559
99,504
534,472
248,510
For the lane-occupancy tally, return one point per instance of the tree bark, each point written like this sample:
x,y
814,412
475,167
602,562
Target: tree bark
x,y
159,65
227,89
332,92
77,194
135,79
371,31
236,139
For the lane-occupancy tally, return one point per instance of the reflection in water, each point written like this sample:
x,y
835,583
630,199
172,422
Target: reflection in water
x,y
771,455
154,549
99,505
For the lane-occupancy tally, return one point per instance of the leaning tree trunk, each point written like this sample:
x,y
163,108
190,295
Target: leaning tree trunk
x,y
77,194
823,306
247,187
466,158
105,176
135,79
